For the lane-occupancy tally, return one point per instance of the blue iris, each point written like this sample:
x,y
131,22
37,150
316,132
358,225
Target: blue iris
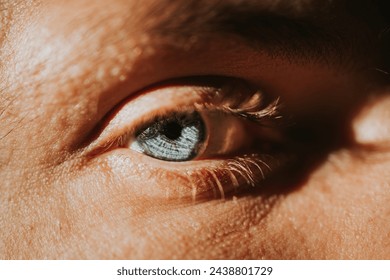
x,y
175,138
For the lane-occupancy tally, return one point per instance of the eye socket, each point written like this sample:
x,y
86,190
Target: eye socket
x,y
209,138
175,138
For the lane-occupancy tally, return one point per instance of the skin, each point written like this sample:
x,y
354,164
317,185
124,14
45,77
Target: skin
x,y
68,75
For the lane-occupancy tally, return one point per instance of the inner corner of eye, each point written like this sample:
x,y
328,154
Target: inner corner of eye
x,y
175,137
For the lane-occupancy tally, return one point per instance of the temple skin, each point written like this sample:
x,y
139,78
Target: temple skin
x,y
67,65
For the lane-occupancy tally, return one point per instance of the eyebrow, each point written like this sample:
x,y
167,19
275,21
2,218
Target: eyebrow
x,y
291,31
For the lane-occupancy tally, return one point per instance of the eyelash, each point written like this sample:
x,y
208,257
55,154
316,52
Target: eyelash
x,y
243,172
232,174
252,110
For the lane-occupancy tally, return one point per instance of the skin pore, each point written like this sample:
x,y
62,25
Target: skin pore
x,y
80,78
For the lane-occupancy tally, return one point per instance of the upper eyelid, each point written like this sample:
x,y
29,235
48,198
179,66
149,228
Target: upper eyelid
x,y
124,118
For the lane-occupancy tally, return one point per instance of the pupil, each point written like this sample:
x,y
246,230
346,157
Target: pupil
x,y
172,130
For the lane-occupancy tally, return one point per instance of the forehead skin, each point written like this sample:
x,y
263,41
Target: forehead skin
x,y
65,64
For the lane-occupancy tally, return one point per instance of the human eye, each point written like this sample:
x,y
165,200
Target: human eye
x,y
218,125
207,137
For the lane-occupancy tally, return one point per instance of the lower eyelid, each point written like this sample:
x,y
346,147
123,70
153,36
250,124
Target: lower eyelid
x,y
194,181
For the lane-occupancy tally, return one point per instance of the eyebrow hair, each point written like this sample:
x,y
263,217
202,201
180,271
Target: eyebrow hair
x,y
291,31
